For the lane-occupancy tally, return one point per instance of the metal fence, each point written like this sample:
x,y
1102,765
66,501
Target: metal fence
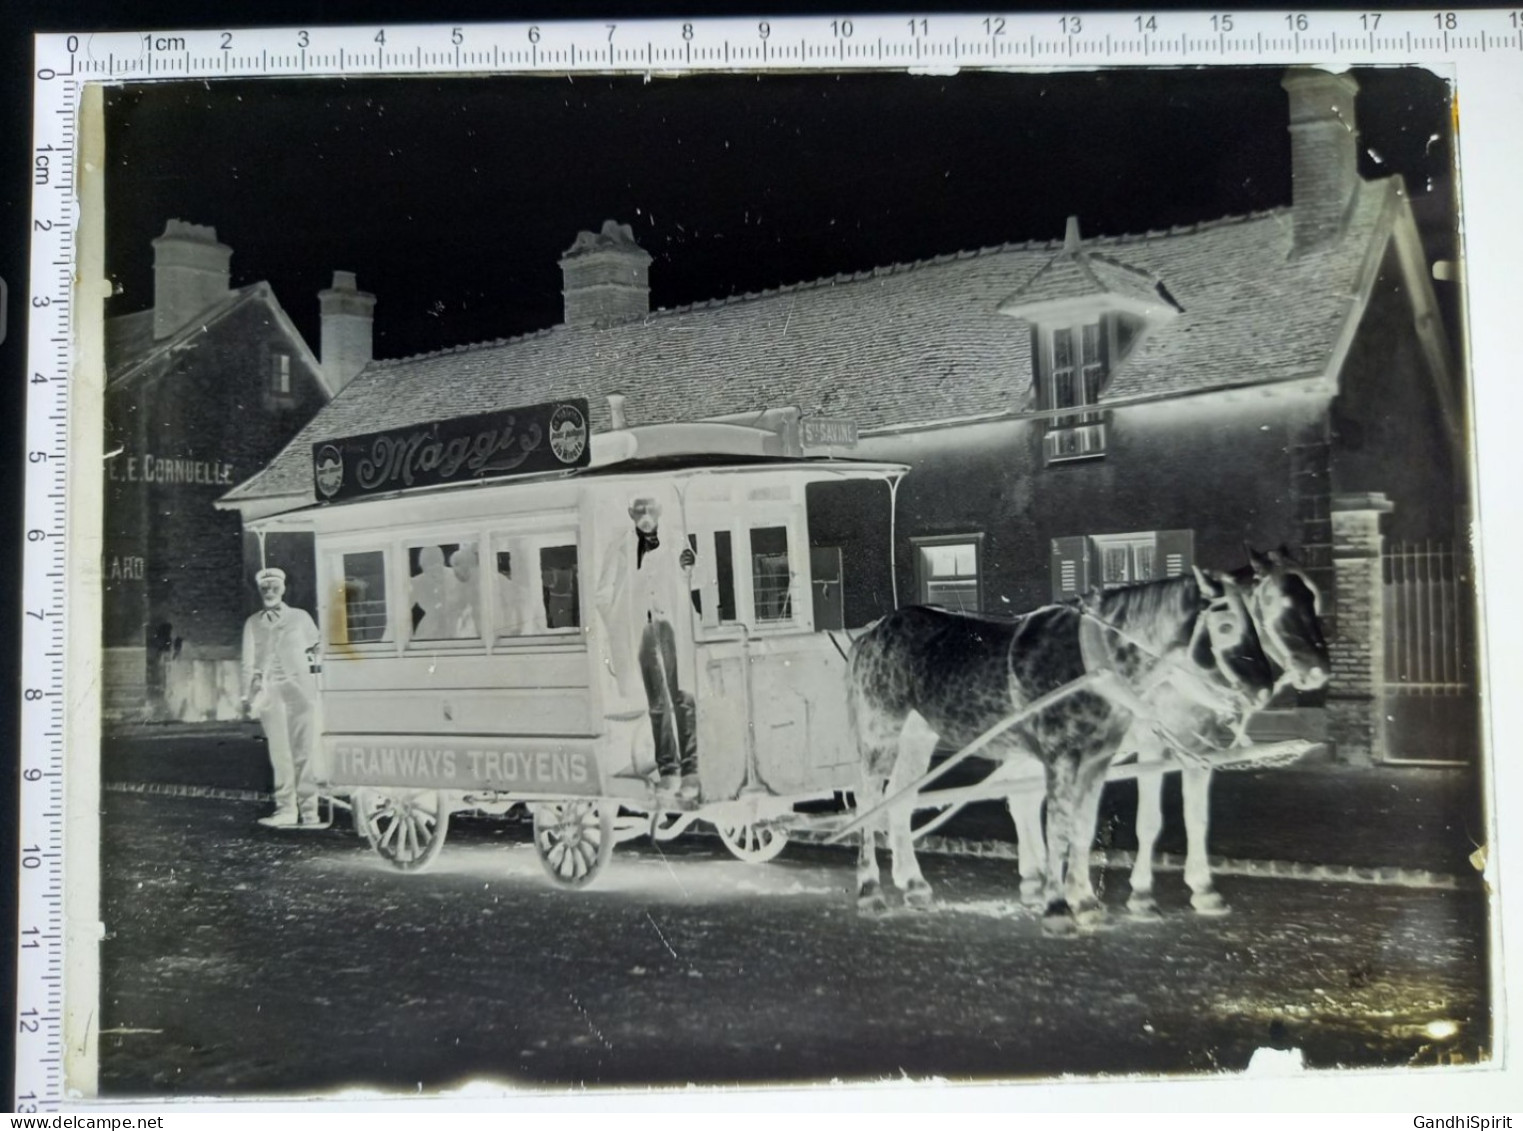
x,y
1428,602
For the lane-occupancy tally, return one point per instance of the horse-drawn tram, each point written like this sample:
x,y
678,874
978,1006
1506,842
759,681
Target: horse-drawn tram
x,y
517,613
619,632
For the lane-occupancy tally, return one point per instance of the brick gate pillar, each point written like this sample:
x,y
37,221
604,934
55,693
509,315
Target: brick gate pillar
x,y
1355,703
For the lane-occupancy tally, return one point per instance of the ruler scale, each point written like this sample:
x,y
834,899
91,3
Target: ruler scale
x,y
793,43
40,925
64,63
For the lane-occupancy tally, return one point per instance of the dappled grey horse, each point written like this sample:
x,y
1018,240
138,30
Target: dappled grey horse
x,y
1182,655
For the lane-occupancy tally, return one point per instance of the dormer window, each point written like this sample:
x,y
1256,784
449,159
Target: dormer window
x,y
1088,311
1075,359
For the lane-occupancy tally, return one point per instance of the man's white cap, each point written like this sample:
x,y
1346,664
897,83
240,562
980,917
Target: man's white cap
x,y
271,574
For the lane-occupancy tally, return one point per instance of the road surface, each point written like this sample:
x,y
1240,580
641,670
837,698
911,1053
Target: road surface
x,y
240,961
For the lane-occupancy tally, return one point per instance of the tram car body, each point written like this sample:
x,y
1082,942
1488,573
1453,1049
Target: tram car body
x,y
476,652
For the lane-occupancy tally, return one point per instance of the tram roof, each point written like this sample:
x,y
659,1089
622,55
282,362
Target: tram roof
x,y
817,469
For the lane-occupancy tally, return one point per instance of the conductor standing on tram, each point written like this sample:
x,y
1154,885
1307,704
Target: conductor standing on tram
x,y
638,599
279,653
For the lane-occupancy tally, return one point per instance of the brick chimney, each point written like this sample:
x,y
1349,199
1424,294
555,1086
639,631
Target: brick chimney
x,y
190,275
348,341
606,278
1324,143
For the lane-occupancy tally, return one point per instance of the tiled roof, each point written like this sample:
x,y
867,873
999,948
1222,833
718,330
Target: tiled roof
x,y
130,342
128,337
1063,276
1120,278
896,346
1079,273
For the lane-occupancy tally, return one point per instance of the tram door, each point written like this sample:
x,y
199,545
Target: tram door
x,y
825,581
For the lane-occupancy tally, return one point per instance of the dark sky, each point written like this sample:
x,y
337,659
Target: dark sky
x,y
454,198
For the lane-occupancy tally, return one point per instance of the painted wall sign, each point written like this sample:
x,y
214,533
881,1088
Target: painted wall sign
x,y
493,445
450,763
824,432
126,568
170,470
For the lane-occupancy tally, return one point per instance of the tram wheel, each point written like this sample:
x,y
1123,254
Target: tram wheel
x,y
573,839
407,829
755,844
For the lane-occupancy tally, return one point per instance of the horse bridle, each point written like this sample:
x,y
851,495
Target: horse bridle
x,y
1275,649
1227,694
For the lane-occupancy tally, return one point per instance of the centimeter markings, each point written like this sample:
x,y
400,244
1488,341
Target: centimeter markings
x,y
932,42
40,923
809,42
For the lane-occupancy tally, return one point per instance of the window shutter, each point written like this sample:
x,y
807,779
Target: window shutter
x,y
1176,552
1038,381
1070,567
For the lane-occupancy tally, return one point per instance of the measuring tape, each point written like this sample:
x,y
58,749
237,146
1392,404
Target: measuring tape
x,y
65,63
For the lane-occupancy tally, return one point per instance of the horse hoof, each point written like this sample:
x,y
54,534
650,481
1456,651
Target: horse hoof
x,y
870,900
1031,894
918,895
1089,914
1144,908
1060,925
1209,903
1058,920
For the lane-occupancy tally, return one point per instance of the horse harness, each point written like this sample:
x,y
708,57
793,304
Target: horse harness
x,y
1226,695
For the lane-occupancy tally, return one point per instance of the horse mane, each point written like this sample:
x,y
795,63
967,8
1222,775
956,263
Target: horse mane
x,y
1158,614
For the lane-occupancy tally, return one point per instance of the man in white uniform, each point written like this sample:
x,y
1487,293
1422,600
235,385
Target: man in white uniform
x,y
640,594
279,652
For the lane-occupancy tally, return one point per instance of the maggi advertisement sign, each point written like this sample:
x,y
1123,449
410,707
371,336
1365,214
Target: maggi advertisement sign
x,y
527,766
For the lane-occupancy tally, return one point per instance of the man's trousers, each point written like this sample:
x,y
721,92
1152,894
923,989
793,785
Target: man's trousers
x,y
289,718
673,712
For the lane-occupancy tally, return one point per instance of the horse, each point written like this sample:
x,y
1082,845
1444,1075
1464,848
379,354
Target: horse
x,y
1284,604
1182,654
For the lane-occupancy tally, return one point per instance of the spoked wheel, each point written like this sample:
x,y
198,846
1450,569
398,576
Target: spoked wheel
x,y
755,844
406,828
574,839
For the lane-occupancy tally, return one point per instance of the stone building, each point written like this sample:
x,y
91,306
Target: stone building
x,y
202,389
1080,413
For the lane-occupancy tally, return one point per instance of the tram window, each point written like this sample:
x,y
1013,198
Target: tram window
x,y
724,574
535,586
771,576
445,588
510,593
559,586
364,618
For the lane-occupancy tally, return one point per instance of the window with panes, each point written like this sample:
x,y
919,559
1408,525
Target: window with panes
x,y
948,572
1109,561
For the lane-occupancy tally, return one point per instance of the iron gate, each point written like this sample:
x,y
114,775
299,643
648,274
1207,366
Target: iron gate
x,y
1429,693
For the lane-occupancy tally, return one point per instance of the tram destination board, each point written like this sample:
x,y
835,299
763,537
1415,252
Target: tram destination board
x,y
764,260
494,445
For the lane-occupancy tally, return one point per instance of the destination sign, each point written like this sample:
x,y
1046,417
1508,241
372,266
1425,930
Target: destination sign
x,y
825,432
492,445
464,763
